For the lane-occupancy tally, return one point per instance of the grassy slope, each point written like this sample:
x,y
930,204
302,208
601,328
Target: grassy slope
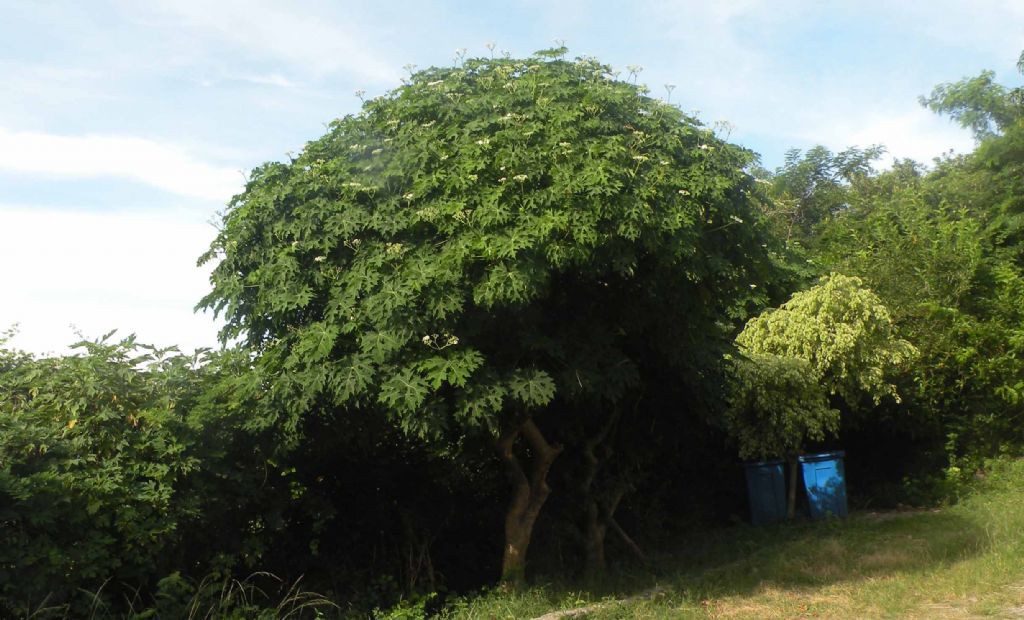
x,y
965,561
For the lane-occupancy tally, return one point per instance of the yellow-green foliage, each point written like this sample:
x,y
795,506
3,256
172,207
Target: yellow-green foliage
x,y
842,330
776,405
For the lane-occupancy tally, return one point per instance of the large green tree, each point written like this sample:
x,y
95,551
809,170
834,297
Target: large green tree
x,y
811,187
486,246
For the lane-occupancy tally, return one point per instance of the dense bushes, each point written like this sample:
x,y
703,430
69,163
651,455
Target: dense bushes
x,y
93,449
133,479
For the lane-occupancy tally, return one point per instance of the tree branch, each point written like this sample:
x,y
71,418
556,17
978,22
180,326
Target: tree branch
x,y
630,543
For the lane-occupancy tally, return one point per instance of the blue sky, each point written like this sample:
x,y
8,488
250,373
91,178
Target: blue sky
x,y
125,126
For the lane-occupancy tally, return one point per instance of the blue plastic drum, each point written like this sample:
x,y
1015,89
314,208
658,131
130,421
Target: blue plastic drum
x,y
825,481
766,488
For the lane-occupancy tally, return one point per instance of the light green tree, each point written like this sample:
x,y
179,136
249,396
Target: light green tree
x,y
844,333
834,339
776,406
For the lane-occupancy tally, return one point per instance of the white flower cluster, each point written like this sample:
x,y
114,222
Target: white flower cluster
x,y
427,213
440,341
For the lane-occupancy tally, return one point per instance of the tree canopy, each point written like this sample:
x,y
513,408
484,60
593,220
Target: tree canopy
x,y
443,253
844,333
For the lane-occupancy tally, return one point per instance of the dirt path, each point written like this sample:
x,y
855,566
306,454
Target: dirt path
x,y
579,611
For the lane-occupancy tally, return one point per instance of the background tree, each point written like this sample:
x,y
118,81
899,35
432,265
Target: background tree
x,y
980,104
486,246
943,248
995,114
812,187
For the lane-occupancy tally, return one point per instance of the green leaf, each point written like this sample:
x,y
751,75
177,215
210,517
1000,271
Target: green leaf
x,y
351,378
533,388
404,391
453,368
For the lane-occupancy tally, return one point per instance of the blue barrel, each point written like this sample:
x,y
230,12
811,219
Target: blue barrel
x,y
766,487
825,481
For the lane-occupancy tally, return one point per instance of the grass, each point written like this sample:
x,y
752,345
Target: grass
x,y
963,561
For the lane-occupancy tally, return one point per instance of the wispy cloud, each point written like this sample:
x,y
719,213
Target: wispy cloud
x,y
308,36
794,73
164,166
271,79
993,26
28,79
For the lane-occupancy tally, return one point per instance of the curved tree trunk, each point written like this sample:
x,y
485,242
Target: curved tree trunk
x,y
528,496
600,505
594,525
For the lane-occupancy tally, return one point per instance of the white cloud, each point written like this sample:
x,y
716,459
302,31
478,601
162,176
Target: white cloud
x,y
52,82
160,165
132,271
913,133
995,27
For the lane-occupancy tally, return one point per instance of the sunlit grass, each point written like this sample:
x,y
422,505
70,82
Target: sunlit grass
x,y
964,561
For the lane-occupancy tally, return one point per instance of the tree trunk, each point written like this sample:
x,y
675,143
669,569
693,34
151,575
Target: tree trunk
x,y
596,514
791,508
595,529
600,517
528,496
